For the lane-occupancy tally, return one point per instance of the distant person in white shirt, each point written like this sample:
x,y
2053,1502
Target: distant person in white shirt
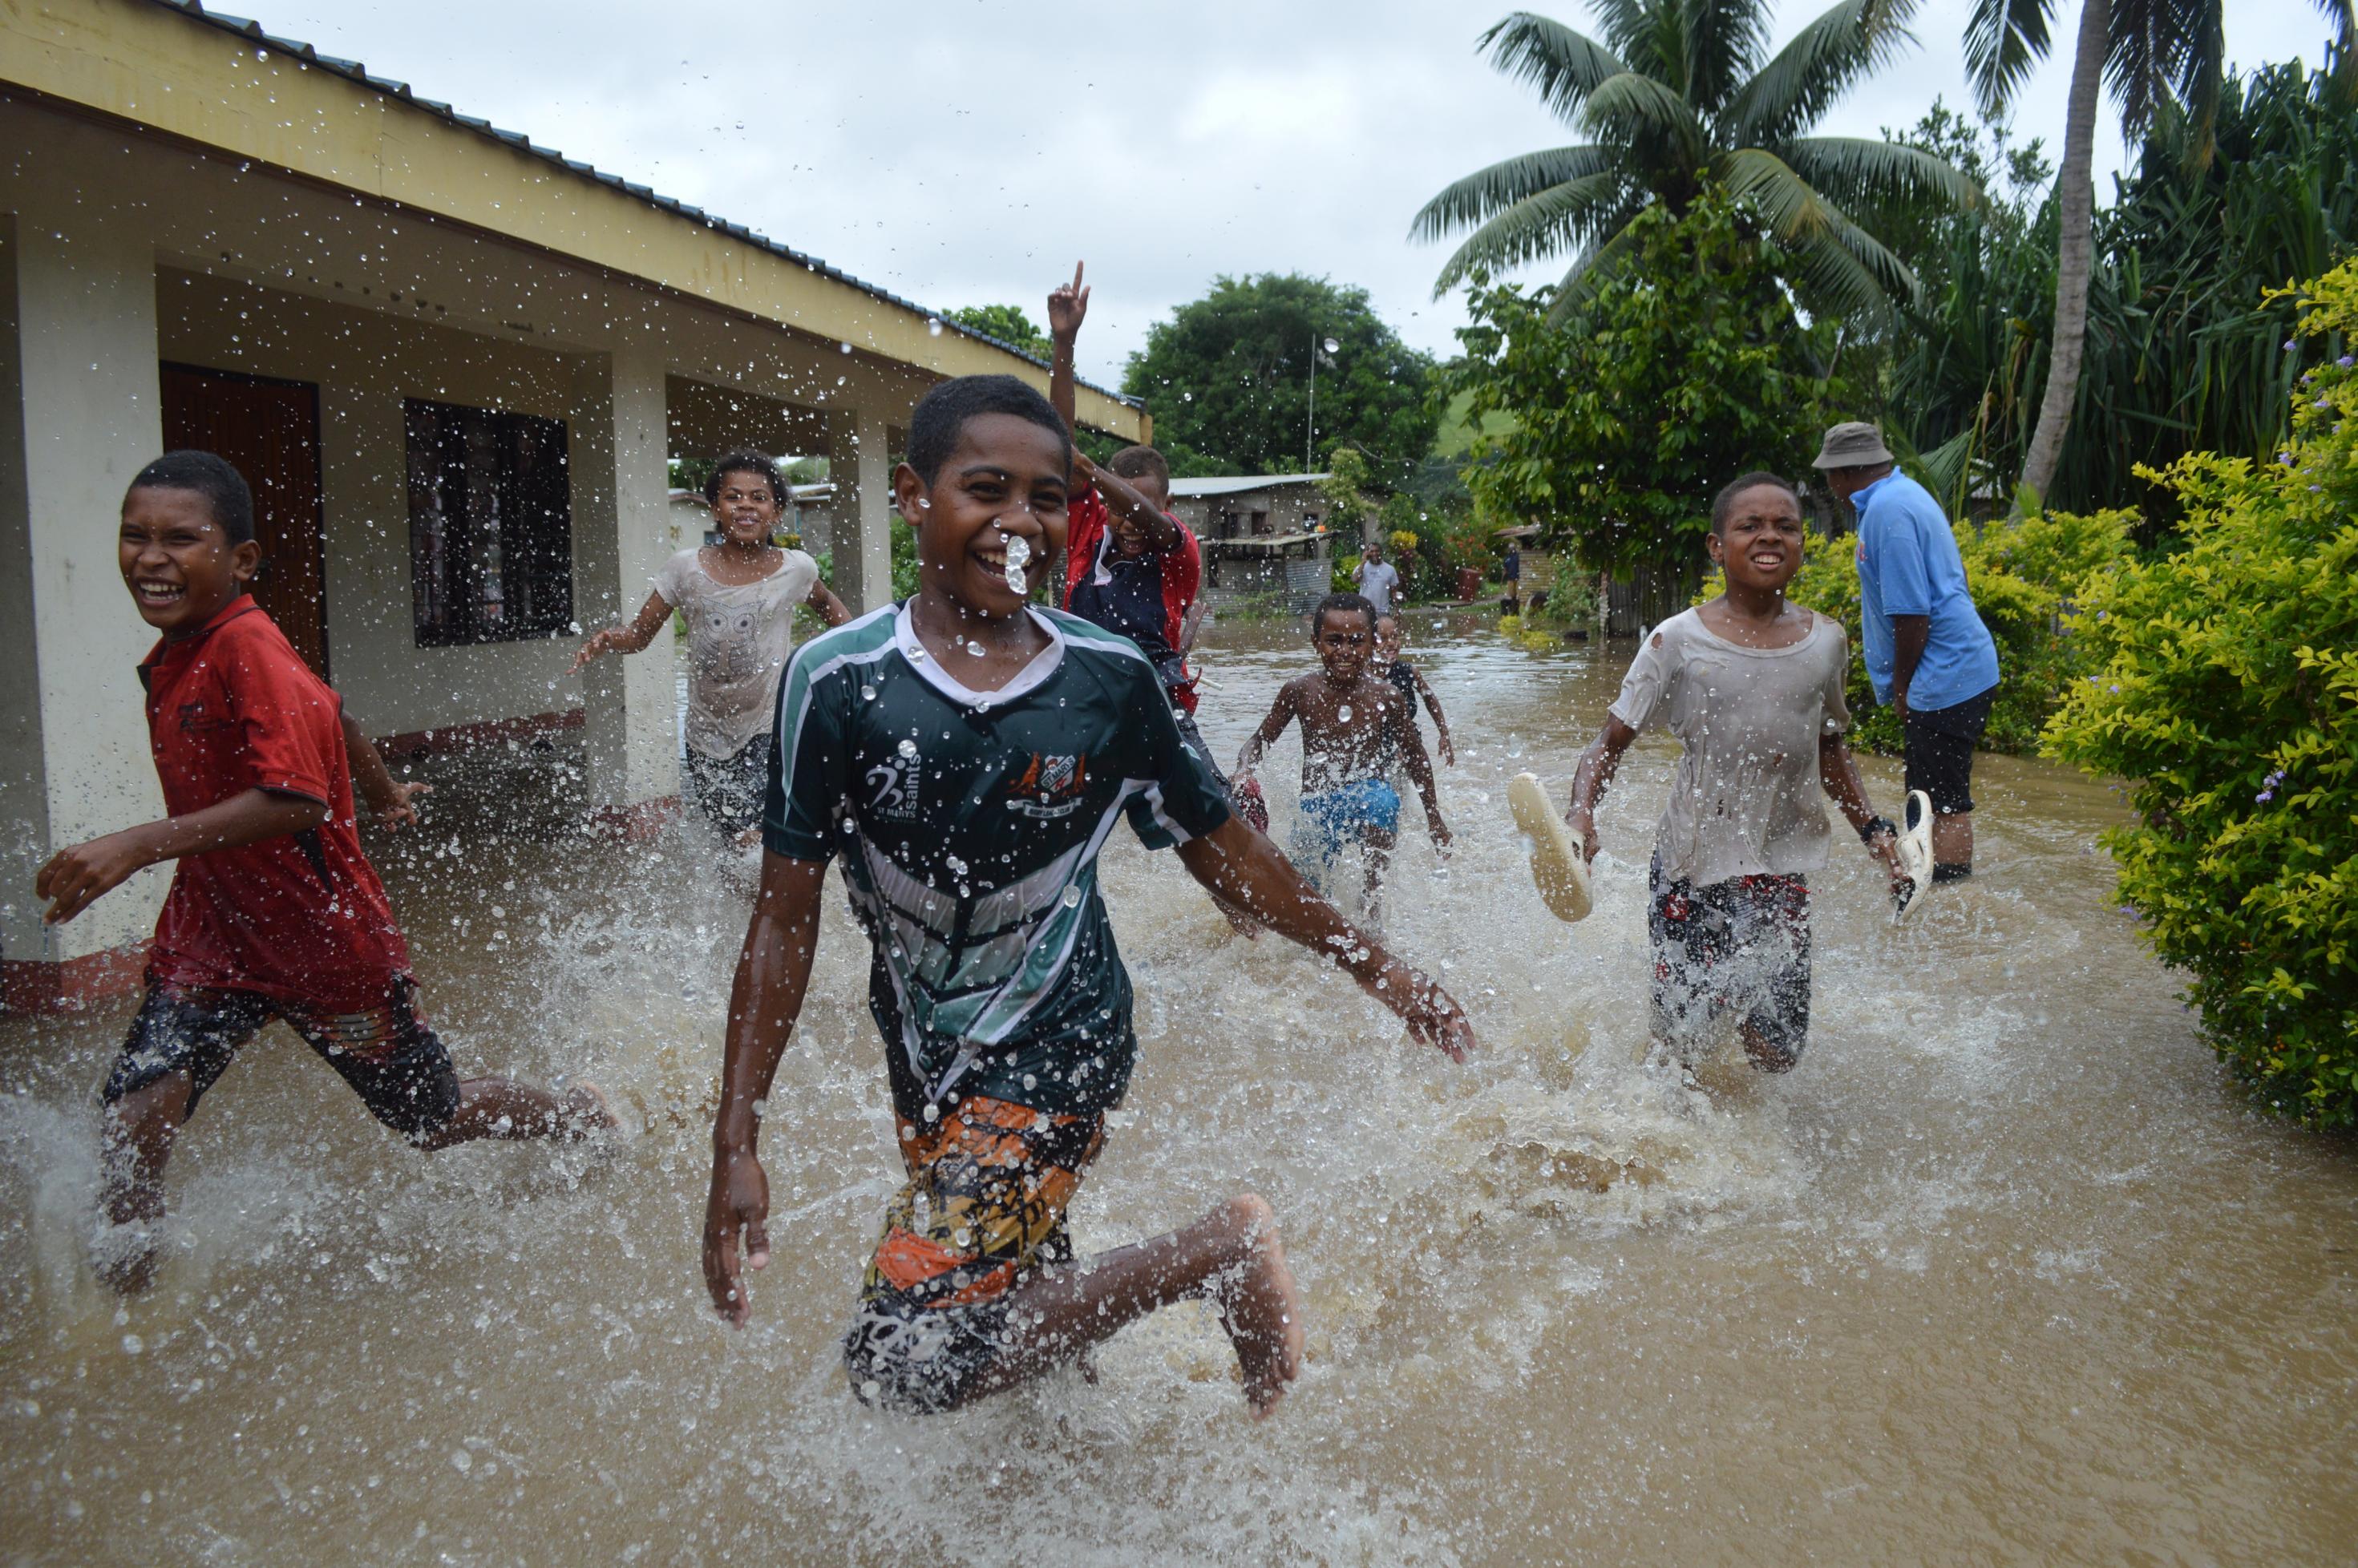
x,y
1377,579
739,599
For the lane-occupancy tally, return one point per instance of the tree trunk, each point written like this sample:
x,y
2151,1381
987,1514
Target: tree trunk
x,y
2075,199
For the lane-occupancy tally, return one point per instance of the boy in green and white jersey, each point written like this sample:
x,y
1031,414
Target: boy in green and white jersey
x,y
966,755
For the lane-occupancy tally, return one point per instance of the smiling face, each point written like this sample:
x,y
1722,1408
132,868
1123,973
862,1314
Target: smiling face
x,y
177,561
1344,642
1387,642
1131,537
1760,546
745,508
1004,480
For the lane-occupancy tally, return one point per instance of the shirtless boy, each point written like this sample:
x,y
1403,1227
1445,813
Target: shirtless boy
x,y
1411,683
965,755
1752,686
1355,726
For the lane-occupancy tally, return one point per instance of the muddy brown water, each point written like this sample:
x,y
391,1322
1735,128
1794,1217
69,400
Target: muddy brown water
x,y
2003,1273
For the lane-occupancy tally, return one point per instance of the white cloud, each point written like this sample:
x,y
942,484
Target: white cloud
x,y
963,153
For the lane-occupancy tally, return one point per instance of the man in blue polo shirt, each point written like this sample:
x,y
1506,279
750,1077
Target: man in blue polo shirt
x,y
1927,653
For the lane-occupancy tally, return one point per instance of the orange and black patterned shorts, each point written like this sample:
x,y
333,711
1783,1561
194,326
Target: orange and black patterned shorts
x,y
982,1210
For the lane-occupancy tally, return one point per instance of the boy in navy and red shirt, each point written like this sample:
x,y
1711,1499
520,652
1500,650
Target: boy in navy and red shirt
x,y
1129,564
274,912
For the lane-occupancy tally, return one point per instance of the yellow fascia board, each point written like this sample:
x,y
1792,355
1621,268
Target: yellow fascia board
x,y
147,64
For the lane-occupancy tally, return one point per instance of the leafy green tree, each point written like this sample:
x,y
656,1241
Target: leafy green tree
x,y
1677,371
2226,692
2158,55
1227,380
1682,97
1008,323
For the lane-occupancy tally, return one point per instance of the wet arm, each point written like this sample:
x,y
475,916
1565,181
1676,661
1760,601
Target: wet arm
x,y
1402,717
829,607
1440,722
772,974
1127,504
387,796
631,639
77,876
1910,634
1838,774
1595,771
1239,865
1257,744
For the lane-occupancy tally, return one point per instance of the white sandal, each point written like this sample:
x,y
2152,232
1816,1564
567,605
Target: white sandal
x,y
1558,869
1915,852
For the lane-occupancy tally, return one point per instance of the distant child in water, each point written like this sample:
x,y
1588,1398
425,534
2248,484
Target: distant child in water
x,y
274,912
962,756
1355,727
1752,686
739,599
1410,683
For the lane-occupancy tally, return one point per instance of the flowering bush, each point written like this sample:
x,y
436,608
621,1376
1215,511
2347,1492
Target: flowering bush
x,y
2225,688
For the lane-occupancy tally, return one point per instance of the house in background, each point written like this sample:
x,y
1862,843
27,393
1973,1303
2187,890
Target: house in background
x,y
1261,535
452,364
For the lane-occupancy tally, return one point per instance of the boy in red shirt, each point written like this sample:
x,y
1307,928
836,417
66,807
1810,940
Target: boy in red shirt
x,y
273,910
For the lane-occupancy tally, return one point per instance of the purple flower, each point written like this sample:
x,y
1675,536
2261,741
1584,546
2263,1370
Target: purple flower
x,y
2285,458
2345,362
2264,796
2112,689
2288,345
2322,403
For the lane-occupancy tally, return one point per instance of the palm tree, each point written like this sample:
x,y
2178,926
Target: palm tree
x,y
1680,95
2154,52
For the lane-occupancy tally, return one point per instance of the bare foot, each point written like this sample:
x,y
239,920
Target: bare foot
x,y
1261,1306
584,1111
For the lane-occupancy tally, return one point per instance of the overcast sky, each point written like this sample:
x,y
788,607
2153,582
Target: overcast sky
x,y
962,152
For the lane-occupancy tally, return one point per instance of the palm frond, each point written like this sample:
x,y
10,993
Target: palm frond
x,y
1858,172
1562,66
1632,110
1821,63
2003,38
1591,268
1723,42
2344,15
2166,50
1842,266
1537,226
1484,195
1625,24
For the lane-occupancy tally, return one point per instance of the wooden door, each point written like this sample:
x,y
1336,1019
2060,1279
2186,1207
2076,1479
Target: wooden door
x,y
269,430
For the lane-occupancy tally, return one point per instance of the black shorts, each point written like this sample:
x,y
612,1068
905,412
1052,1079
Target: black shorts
x,y
1939,745
730,790
1742,946
393,1061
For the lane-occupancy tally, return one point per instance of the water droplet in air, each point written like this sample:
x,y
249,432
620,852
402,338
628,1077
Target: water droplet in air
x,y
1072,898
908,748
866,694
461,1461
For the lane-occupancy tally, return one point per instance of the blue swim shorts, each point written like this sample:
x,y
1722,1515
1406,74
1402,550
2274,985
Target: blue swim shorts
x,y
1347,815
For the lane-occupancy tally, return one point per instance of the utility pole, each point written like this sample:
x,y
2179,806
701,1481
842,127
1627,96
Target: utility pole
x,y
1310,427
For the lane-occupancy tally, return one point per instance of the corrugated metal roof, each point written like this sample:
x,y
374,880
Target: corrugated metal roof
x,y
1232,484
354,70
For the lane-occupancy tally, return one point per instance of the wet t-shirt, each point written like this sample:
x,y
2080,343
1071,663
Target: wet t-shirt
x,y
1746,799
970,825
301,917
738,638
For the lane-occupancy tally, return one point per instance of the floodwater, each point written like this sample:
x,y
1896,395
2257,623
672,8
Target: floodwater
x,y
2003,1273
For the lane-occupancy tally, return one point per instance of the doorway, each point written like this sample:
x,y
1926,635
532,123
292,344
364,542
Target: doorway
x,y
269,430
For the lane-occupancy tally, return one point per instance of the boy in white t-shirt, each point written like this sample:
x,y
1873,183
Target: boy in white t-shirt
x,y
1753,688
739,599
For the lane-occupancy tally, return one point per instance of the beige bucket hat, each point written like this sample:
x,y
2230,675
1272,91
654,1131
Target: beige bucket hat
x,y
1853,445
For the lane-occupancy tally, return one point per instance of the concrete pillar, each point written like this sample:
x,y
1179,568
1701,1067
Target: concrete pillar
x,y
621,534
79,416
861,518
